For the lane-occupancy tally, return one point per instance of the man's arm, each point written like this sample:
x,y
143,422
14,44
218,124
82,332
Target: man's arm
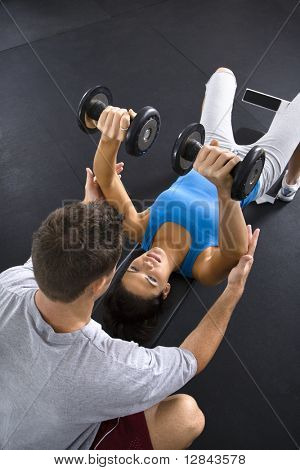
x,y
204,341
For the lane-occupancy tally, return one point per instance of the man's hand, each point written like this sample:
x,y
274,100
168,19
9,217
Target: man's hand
x,y
113,124
238,275
216,164
92,189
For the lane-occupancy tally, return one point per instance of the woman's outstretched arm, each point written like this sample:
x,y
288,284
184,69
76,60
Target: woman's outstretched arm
x,y
113,123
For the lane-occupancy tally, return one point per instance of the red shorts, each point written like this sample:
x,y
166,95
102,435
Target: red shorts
x,y
129,432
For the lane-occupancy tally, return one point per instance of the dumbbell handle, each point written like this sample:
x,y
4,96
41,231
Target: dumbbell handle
x,y
95,109
193,147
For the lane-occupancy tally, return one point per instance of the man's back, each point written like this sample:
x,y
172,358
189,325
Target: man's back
x,y
56,388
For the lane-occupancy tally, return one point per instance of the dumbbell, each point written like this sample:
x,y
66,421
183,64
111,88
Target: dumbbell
x,y
143,130
245,174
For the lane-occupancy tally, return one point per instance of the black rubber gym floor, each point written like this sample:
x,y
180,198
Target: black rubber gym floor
x,y
162,53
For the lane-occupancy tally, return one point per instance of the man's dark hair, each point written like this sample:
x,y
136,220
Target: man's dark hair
x,y
75,246
130,317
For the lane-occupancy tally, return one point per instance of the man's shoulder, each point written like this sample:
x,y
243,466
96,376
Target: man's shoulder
x,y
115,350
18,278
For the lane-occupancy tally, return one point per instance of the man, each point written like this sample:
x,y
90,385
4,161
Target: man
x,y
61,375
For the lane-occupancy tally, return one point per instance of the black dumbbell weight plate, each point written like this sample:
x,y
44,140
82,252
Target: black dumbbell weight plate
x,y
182,158
143,131
247,173
92,102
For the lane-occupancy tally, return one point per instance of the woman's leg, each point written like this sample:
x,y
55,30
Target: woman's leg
x,y
217,107
293,174
280,143
174,423
291,180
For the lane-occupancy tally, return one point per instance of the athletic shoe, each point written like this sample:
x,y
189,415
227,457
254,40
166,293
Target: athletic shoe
x,y
288,191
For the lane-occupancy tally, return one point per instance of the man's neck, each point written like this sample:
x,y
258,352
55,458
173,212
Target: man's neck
x,y
65,318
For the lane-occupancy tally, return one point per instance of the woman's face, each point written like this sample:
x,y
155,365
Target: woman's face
x,y
147,276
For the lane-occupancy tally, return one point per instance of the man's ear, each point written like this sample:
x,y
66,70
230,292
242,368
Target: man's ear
x,y
98,287
166,290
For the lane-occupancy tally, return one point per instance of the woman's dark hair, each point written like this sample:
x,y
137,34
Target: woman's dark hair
x,y
130,317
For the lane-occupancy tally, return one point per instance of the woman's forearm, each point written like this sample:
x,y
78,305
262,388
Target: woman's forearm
x,y
105,162
233,239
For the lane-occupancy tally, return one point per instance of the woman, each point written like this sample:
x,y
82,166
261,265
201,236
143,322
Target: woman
x,y
193,227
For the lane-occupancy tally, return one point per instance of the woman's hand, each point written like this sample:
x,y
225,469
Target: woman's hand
x,y
238,275
113,124
92,189
215,164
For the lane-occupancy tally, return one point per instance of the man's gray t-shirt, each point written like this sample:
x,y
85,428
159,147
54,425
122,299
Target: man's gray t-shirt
x,y
56,388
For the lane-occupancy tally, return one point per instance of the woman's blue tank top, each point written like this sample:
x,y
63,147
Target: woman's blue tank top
x,y
192,202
